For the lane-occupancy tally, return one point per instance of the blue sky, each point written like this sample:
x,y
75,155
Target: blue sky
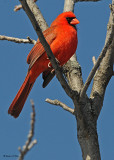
x,y
55,129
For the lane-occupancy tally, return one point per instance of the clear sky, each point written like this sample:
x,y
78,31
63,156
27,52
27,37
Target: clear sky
x,y
55,129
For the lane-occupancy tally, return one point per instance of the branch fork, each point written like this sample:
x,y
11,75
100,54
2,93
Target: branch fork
x,y
18,40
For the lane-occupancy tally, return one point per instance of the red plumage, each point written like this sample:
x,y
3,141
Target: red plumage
x,y
62,38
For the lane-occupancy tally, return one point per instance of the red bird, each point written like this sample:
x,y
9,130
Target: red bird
x,y
62,38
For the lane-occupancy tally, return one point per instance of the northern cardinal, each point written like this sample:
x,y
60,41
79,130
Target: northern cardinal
x,y
62,38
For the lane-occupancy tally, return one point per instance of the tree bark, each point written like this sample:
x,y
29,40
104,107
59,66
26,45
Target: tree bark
x,y
88,140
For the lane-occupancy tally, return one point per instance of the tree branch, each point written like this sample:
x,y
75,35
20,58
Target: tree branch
x,y
29,143
101,56
105,71
18,40
69,5
36,13
58,103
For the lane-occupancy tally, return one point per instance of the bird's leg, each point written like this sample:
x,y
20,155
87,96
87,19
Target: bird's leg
x,y
49,64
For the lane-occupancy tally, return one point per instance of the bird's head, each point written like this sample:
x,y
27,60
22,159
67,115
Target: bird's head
x,y
66,18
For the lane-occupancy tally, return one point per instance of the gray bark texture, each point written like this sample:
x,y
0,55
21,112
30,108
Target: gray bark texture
x,y
86,109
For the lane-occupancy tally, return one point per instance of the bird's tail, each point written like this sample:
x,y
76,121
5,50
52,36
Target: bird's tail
x,y
19,100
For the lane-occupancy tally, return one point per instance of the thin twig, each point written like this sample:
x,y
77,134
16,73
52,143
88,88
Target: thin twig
x,y
61,104
29,143
17,40
92,73
18,7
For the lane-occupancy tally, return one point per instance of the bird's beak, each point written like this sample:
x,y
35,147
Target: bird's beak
x,y
74,21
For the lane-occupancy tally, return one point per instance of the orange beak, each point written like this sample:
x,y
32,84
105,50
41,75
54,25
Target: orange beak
x,y
74,21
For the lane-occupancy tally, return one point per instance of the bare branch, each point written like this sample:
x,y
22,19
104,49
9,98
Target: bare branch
x,y
29,143
101,56
58,103
17,40
69,5
105,71
72,71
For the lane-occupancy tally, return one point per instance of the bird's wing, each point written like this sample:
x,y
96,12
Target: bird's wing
x,y
38,49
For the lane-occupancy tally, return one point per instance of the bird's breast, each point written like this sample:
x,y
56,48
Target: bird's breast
x,y
64,46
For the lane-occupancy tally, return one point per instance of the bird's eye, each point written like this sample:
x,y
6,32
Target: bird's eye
x,y
69,19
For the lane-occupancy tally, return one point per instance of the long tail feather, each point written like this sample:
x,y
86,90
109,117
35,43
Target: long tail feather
x,y
19,100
